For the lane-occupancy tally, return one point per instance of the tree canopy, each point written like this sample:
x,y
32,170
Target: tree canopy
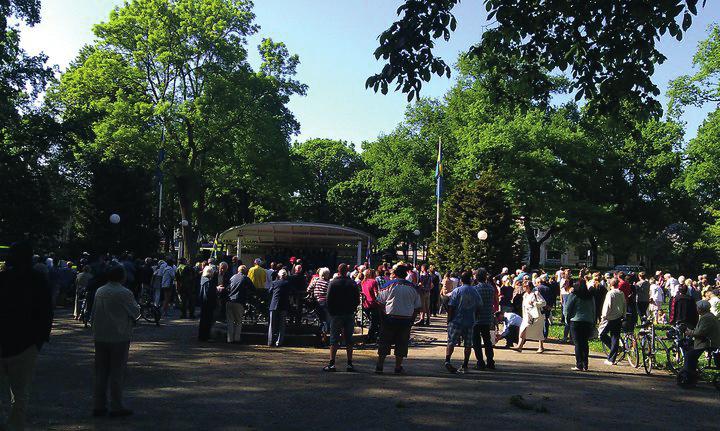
x,y
609,46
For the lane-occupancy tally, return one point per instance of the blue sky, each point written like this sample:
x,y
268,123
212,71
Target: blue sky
x,y
335,41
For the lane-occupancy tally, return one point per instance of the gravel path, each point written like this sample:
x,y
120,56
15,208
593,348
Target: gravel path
x,y
176,383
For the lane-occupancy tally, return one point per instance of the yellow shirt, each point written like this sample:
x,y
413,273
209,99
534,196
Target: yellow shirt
x,y
258,276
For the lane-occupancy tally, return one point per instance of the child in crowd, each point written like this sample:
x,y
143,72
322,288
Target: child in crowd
x,y
661,317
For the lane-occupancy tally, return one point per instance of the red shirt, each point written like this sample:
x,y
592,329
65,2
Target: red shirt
x,y
369,290
624,286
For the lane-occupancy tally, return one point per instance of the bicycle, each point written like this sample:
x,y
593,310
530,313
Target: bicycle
x,y
148,310
675,351
627,348
650,345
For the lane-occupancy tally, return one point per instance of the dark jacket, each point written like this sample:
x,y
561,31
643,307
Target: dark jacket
x,y
240,286
26,313
683,310
280,295
343,296
208,291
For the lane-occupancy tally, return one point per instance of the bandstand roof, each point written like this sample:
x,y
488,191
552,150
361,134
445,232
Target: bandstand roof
x,y
295,234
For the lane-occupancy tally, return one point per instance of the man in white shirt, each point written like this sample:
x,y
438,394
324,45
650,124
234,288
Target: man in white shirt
x,y
400,303
113,314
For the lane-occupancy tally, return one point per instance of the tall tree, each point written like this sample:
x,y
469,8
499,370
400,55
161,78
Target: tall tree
x,y
173,75
322,164
473,206
609,45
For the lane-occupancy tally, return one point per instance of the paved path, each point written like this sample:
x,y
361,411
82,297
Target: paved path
x,y
176,383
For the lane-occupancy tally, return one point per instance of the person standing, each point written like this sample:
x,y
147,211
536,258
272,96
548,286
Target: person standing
x,y
683,309
548,295
565,286
642,289
237,294
258,275
113,316
533,318
208,302
370,307
25,321
613,312
399,304
185,282
580,310
435,291
279,305
343,299
81,284
484,323
424,286
168,282
463,304
319,292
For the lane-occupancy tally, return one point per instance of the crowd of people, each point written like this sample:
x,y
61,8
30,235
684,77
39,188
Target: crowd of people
x,y
480,310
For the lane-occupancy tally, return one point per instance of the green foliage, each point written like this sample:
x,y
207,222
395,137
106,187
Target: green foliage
x,y
704,86
609,45
174,75
472,206
113,188
322,164
402,176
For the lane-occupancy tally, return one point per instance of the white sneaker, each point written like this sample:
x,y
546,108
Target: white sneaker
x,y
608,362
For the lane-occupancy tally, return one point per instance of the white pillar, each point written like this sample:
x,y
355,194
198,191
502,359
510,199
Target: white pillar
x,y
238,248
359,252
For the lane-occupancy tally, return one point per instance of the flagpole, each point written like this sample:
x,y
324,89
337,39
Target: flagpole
x,y
437,195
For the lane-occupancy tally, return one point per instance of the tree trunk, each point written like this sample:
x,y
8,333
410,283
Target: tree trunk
x,y
534,243
593,251
184,190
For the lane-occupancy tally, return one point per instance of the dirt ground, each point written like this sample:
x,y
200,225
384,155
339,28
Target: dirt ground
x,y
176,383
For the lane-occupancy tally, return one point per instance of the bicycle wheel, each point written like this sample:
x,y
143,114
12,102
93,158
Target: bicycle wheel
x,y
675,358
647,354
631,349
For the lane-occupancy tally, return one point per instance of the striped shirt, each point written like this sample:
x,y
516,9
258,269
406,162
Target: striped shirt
x,y
320,290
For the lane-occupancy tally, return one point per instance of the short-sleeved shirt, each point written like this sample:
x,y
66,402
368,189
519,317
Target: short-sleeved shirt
x,y
400,298
465,300
485,313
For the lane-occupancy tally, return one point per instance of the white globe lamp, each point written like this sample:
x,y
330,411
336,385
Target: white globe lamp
x,y
482,235
114,219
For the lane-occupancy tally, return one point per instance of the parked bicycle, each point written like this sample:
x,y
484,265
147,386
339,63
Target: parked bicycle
x,y
650,346
627,349
675,348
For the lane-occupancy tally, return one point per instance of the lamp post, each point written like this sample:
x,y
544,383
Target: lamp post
x,y
416,232
114,220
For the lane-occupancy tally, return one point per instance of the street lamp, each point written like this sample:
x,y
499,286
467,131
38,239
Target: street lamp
x,y
416,232
482,235
114,220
